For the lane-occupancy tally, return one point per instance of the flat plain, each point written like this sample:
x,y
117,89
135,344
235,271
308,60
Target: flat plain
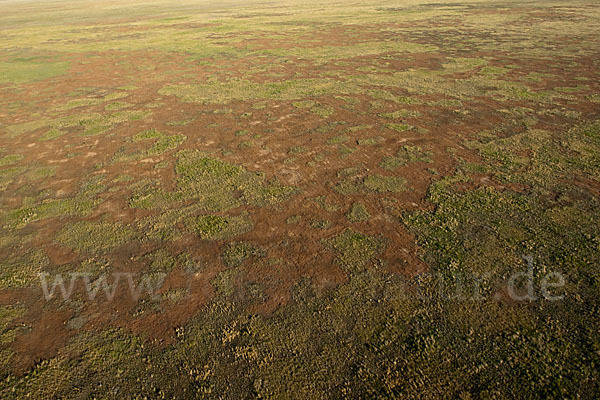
x,y
334,197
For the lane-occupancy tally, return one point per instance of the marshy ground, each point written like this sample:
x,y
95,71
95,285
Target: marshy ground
x,y
311,181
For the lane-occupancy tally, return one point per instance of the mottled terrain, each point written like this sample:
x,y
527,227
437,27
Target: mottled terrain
x,y
309,180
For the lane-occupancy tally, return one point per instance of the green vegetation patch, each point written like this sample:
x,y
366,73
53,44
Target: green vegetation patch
x,y
338,139
358,213
162,142
491,231
79,103
164,226
350,186
354,249
18,72
148,134
117,105
401,114
218,92
324,54
324,204
10,159
80,205
22,269
51,135
37,173
304,104
214,184
89,124
322,111
370,141
355,182
162,261
399,127
92,238
216,227
236,253
321,224
383,183
489,70
8,175
8,333
165,144
96,124
182,122
404,156
225,282
297,150
92,101
7,315
29,126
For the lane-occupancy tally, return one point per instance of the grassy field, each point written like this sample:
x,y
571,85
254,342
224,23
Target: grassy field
x,y
332,198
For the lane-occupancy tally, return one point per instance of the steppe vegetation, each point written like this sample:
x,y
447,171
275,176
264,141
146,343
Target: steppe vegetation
x,y
323,186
